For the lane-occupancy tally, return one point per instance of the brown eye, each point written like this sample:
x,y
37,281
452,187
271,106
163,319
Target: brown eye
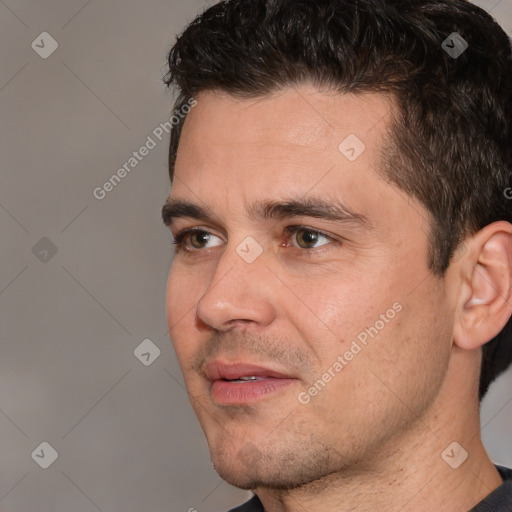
x,y
195,240
309,238
198,238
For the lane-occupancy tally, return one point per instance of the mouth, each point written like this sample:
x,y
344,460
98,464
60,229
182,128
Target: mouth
x,y
243,383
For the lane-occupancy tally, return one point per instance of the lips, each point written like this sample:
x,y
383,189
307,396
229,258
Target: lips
x,y
217,370
244,383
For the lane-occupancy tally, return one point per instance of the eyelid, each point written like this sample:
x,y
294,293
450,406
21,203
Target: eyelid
x,y
193,229
294,229
180,239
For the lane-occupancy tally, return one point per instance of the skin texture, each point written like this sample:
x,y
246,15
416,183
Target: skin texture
x,y
372,438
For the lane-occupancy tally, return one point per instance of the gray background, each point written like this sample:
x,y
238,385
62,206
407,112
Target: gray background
x,y
125,433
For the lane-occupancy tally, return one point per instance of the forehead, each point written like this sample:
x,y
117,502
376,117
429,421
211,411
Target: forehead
x,y
299,144
291,137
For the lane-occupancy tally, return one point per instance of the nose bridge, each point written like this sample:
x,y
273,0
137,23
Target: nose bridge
x,y
237,290
241,261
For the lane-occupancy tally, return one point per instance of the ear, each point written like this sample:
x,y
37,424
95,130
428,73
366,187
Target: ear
x,y
485,300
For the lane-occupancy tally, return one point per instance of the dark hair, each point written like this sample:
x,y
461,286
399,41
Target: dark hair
x,y
450,141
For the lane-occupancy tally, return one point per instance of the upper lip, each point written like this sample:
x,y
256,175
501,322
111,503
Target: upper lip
x,y
216,370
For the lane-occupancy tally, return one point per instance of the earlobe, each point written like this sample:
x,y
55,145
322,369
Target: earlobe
x,y
485,303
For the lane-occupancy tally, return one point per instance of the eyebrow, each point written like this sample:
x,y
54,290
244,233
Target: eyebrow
x,y
270,210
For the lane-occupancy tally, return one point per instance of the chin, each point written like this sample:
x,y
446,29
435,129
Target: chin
x,y
250,469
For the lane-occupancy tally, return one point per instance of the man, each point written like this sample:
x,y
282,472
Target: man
x,y
340,296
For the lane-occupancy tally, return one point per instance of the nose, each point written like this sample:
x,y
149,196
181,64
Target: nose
x,y
239,293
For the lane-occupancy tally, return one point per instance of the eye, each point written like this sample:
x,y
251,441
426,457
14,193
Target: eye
x,y
195,240
306,238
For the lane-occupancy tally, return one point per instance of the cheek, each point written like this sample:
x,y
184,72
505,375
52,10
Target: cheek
x,y
183,292
341,308
182,295
410,355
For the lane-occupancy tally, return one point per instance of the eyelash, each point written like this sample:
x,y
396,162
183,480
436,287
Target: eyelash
x,y
179,241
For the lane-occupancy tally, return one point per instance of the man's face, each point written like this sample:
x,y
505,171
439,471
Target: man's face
x,y
347,331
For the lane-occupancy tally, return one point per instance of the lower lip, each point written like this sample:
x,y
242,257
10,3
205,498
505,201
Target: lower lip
x,y
229,393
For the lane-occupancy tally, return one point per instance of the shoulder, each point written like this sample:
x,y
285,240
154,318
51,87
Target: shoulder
x,y
253,505
506,473
500,500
